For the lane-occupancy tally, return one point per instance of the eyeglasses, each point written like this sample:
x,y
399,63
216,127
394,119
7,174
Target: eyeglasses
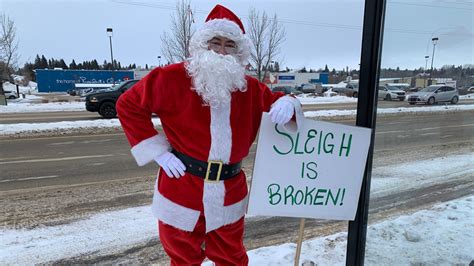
x,y
217,45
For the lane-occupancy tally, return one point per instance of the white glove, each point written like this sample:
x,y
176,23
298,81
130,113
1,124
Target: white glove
x,y
171,164
281,112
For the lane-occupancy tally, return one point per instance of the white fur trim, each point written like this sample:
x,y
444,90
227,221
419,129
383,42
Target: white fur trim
x,y
224,28
173,214
221,133
145,151
216,213
298,113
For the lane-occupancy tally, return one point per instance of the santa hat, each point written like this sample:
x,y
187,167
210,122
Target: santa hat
x,y
222,22
221,12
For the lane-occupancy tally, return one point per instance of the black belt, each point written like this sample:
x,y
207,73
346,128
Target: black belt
x,y
209,171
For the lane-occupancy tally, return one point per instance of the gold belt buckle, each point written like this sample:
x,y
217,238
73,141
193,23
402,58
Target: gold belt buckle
x,y
209,163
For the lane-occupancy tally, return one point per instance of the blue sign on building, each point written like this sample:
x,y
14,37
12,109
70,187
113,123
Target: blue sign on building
x,y
323,79
286,77
62,80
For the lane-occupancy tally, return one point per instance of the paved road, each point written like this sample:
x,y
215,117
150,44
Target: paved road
x,y
65,160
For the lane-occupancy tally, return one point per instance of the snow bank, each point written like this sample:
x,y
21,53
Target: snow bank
x,y
10,129
443,234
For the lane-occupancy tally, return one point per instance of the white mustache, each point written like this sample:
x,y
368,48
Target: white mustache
x,y
215,76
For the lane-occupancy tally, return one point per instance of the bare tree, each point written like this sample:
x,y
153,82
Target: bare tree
x,y
8,45
267,35
175,44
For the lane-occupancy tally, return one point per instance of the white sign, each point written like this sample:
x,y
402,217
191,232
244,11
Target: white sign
x,y
272,78
315,172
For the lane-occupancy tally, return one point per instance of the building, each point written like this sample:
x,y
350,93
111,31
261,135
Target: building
x,y
296,79
59,80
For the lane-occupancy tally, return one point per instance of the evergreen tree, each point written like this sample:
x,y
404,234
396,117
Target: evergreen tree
x,y
44,62
277,66
63,64
37,63
73,65
303,70
27,71
146,66
326,69
95,65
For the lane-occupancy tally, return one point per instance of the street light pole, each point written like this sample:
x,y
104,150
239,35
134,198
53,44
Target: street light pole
x,y
424,70
435,41
159,60
110,33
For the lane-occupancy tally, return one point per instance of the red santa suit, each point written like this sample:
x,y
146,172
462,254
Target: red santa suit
x,y
190,210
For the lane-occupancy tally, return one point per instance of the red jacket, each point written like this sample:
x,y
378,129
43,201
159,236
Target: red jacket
x,y
199,131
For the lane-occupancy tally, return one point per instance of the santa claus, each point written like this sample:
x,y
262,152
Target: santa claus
x,y
210,112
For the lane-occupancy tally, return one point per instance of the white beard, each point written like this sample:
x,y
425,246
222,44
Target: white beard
x,y
216,76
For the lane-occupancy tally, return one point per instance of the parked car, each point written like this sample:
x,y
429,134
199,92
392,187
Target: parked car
x,y
470,89
413,89
434,94
307,88
10,95
402,86
351,89
287,90
389,92
104,102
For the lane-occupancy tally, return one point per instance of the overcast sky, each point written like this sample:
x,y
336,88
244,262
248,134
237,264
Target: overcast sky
x,y
318,32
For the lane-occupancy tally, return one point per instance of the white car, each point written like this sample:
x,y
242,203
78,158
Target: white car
x,y
10,95
389,93
434,94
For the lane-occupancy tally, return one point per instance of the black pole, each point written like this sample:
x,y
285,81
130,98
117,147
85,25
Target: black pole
x,y
424,71
112,60
372,35
432,59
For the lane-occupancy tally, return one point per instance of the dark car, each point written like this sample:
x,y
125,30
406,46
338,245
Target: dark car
x,y
286,90
104,102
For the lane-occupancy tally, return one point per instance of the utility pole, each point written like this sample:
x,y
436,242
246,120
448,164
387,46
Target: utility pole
x,y
110,33
435,41
424,70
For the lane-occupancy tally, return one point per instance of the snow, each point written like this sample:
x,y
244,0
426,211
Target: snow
x,y
307,99
28,104
103,232
441,235
25,106
9,129
440,169
31,88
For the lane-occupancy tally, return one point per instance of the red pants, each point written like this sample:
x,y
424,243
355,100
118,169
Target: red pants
x,y
224,246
